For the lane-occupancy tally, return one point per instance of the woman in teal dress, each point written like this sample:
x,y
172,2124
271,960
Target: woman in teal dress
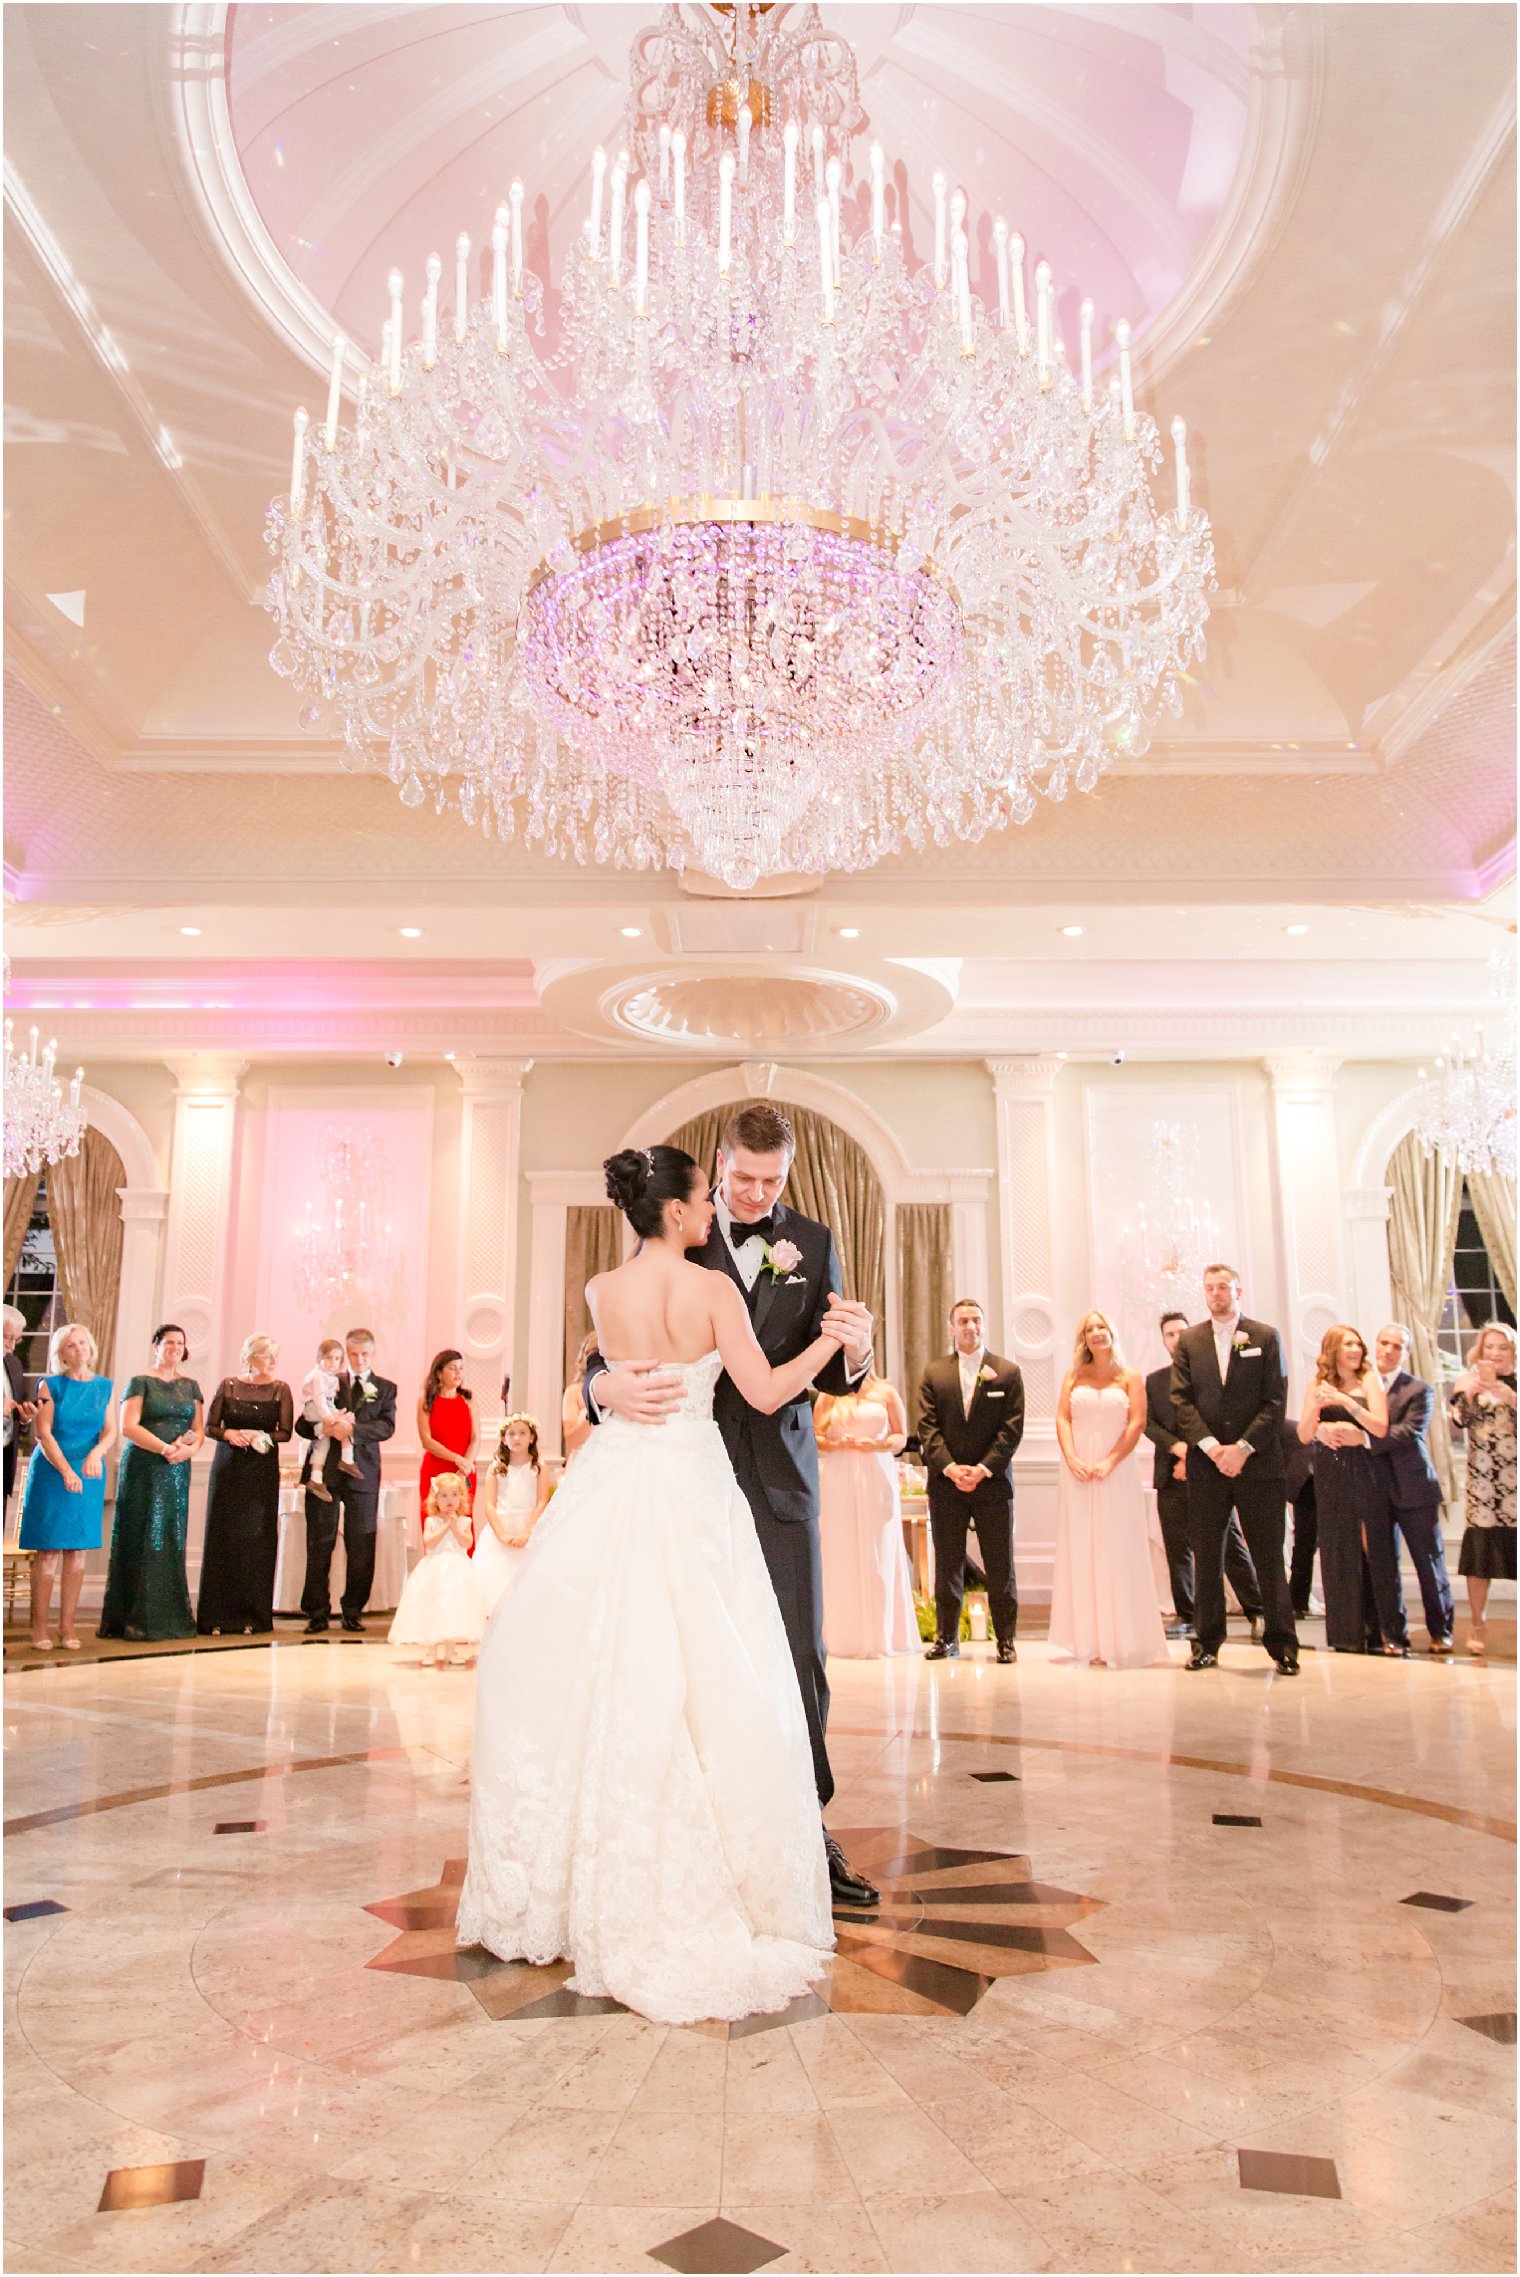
x,y
147,1595
66,1478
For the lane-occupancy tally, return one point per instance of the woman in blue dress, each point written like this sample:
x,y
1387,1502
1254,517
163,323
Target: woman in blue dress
x,y
64,1507
162,1427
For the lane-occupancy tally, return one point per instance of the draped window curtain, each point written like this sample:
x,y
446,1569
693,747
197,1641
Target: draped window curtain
x,y
1493,1201
20,1201
924,1270
1422,1241
830,1180
84,1211
593,1244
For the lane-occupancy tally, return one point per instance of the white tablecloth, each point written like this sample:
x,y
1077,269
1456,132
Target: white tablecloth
x,y
396,1535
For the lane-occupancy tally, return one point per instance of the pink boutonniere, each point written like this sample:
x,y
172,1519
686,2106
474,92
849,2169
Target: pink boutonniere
x,y
782,1257
1239,1340
987,1376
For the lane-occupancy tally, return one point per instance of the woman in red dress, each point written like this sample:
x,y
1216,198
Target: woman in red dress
x,y
446,1425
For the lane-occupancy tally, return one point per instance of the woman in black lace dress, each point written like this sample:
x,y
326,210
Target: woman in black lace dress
x,y
250,1416
1483,1405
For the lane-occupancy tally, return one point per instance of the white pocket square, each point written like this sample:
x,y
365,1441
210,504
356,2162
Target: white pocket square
x,y
997,1395
794,1281
1249,1352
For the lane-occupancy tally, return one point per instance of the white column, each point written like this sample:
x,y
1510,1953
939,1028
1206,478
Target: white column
x,y
200,1207
490,1150
1025,1096
142,1241
1366,1209
1306,1166
968,1235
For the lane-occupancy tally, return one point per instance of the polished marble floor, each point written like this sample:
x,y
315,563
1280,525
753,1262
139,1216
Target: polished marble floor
x,y
1172,1973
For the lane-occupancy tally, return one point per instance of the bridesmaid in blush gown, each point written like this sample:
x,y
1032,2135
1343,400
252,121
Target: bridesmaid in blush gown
x,y
867,1587
1103,1607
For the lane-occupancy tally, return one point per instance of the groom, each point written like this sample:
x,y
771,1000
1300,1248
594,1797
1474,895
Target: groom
x,y
788,1270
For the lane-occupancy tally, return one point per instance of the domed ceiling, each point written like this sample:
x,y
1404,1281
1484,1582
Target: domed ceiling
x,y
370,137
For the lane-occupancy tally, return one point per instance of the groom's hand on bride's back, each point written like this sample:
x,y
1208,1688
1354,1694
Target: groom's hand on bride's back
x,y
640,1391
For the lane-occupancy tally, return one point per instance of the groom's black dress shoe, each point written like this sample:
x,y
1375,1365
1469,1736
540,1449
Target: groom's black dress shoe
x,y
1006,1651
1203,1659
316,1624
1286,1663
353,1624
846,1887
939,1650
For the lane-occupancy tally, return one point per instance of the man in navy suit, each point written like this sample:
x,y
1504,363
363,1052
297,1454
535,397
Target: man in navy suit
x,y
788,1270
1410,1501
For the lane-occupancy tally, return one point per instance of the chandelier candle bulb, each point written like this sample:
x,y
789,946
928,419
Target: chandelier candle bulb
x,y
461,288
594,218
1087,325
878,196
818,181
664,160
297,492
430,312
1126,384
1043,312
641,250
789,184
515,201
1000,250
725,212
1020,312
1179,439
941,272
678,159
744,124
825,265
334,394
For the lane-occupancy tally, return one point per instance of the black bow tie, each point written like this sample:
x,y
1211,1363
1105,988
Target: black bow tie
x,y
765,1227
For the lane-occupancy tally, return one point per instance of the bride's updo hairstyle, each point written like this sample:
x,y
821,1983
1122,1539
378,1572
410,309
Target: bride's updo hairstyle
x,y
642,1179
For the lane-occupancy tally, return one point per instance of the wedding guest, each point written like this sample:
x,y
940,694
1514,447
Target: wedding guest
x,y
970,1422
1483,1405
574,1422
319,1401
1228,1387
1103,1604
514,1495
1344,1411
1170,1481
440,1607
446,1426
251,1416
19,1410
1409,1502
366,1417
867,1585
162,1425
63,1506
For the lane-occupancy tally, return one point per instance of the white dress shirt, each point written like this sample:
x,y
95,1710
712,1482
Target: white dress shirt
x,y
971,1367
1224,1350
747,1249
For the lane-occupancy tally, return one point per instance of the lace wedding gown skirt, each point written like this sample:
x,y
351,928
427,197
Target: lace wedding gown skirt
x,y
642,1795
1103,1604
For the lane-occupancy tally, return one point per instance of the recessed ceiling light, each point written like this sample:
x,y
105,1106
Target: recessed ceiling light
x,y
451,1055
411,932
849,932
1073,932
632,932
191,932
1295,928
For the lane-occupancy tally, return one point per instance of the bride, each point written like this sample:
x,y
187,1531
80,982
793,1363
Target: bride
x,y
642,1792
1103,1605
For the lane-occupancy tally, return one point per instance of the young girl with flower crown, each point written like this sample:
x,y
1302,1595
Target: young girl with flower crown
x,y
440,1607
514,1496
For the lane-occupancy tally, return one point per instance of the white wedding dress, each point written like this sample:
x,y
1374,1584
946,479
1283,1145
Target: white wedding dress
x,y
1103,1604
642,1799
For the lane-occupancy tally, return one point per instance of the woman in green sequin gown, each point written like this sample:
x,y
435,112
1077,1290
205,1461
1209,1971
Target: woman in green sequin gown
x,y
147,1596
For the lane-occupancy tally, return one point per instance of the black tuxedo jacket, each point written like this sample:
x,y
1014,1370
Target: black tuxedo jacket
x,y
1409,1478
787,1311
1161,1425
989,1435
1249,1403
375,1421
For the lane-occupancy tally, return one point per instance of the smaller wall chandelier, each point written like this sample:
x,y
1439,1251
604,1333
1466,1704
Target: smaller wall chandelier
x,y
1466,1110
43,1123
342,1250
1174,1236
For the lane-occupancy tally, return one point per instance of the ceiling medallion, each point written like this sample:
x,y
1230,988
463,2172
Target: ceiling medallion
x,y
755,542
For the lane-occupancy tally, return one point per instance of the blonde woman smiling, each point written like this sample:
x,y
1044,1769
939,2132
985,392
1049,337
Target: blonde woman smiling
x,y
1103,1607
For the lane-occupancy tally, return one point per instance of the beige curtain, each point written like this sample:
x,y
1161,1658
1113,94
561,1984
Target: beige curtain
x,y
593,1244
831,1180
1493,1201
1422,1241
924,1267
85,1214
20,1201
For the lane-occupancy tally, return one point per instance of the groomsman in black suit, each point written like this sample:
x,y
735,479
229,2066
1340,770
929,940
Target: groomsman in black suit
x,y
1170,1482
1229,1387
366,1405
1411,1502
787,1268
970,1422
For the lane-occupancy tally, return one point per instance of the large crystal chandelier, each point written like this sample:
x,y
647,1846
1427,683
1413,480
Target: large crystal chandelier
x,y
753,542
1466,1107
342,1249
43,1123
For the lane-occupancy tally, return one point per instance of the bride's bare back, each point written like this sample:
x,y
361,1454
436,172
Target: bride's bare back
x,y
658,1309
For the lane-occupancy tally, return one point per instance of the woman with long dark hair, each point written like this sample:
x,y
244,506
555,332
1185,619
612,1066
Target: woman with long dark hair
x,y
446,1425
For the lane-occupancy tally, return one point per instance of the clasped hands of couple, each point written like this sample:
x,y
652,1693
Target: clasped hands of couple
x,y
647,1391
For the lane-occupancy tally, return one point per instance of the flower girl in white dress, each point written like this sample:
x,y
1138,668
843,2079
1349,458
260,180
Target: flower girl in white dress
x,y
514,1494
440,1606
